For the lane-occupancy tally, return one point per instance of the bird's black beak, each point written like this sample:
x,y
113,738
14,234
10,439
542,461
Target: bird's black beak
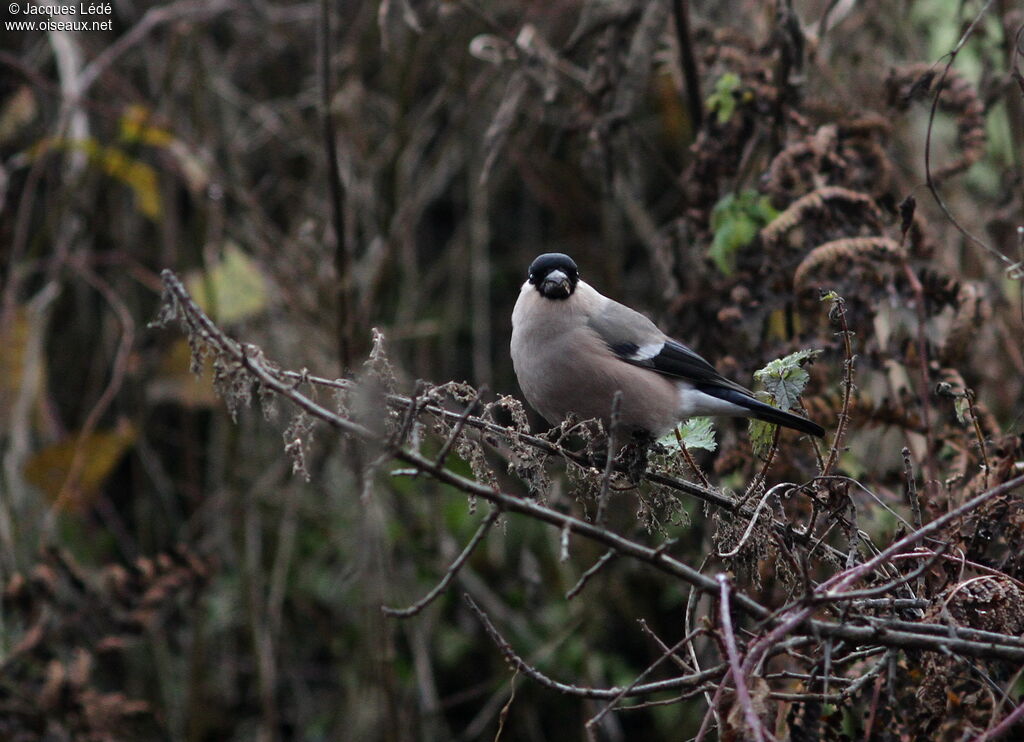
x,y
556,285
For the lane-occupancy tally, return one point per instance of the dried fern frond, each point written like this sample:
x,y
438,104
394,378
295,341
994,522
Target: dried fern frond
x,y
957,97
865,251
820,204
802,162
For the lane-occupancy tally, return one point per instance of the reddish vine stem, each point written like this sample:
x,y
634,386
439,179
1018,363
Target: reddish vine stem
x,y
986,468
762,473
738,676
931,467
843,421
690,462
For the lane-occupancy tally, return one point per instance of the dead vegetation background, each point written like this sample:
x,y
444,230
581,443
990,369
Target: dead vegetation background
x,y
186,567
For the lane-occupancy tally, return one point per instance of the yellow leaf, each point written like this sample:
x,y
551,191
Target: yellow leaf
x,y
20,110
136,126
21,340
137,175
14,337
116,163
230,290
100,452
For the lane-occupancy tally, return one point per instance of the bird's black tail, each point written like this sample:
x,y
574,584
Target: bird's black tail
x,y
765,412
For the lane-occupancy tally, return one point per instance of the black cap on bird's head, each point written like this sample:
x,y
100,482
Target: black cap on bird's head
x,y
555,275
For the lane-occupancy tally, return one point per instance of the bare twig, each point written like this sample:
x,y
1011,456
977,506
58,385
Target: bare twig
x,y
894,603
150,21
685,681
924,391
669,652
457,429
844,579
753,520
449,575
411,411
923,554
930,180
870,592
762,473
1011,720
679,662
585,577
986,468
119,369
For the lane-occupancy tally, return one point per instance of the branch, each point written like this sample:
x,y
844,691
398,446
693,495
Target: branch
x,y
585,577
234,358
342,256
688,62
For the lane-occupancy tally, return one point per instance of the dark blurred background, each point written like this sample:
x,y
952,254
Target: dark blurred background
x,y
470,137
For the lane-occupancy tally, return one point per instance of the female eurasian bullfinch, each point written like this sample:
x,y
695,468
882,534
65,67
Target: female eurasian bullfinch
x,y
573,348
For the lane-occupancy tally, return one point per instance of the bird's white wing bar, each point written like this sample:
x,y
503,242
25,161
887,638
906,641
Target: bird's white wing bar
x,y
647,352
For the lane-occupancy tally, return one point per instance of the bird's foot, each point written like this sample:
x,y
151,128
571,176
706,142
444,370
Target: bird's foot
x,y
633,456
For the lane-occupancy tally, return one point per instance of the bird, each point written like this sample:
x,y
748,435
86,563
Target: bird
x,y
574,348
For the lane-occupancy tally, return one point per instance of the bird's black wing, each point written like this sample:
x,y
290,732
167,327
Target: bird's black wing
x,y
635,339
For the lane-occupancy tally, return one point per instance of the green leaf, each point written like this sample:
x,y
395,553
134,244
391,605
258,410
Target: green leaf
x,y
723,100
696,432
784,378
761,436
736,219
